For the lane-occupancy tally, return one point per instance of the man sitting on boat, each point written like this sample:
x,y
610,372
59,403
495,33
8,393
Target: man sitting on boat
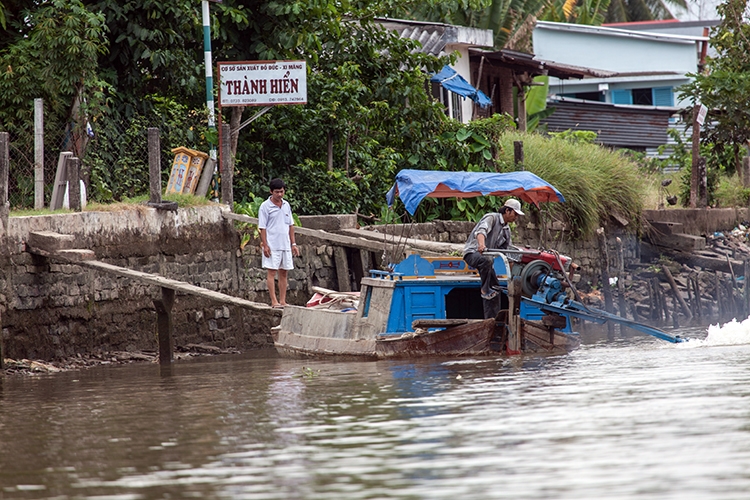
x,y
491,231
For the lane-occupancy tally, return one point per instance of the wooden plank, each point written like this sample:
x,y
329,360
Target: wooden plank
x,y
342,269
179,286
436,247
438,323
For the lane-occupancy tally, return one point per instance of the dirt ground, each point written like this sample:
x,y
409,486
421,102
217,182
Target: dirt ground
x,y
27,367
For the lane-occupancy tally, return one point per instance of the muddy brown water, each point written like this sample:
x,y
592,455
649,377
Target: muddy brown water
x,y
629,417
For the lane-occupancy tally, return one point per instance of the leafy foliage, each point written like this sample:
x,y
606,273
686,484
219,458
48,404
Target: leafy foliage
x,y
597,184
117,157
51,52
589,12
724,86
508,19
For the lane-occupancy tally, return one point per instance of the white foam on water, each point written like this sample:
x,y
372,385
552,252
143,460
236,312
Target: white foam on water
x,y
731,333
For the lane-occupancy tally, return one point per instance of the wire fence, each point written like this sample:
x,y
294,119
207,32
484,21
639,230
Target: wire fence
x,y
114,159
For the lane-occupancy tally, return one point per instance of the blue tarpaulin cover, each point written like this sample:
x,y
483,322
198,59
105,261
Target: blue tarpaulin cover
x,y
454,82
412,186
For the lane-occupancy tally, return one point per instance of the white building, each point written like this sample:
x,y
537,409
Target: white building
x,y
645,66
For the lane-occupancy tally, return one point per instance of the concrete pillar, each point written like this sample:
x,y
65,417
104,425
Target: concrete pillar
x,y
73,176
154,165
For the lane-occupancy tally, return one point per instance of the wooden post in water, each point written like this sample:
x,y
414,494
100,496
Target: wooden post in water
x,y
677,294
154,165
515,335
606,287
4,212
227,173
620,277
697,291
717,287
73,176
165,325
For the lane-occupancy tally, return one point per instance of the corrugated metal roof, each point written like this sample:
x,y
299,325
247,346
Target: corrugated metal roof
x,y
435,36
522,61
601,30
636,127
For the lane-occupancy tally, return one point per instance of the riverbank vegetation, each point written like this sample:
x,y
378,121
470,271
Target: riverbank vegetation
x,y
369,111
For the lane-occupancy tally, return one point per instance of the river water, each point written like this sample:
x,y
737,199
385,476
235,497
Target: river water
x,y
625,418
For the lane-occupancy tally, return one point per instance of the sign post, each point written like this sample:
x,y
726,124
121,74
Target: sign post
x,y
259,83
262,83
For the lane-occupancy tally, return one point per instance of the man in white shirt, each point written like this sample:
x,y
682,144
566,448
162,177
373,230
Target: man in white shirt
x,y
276,226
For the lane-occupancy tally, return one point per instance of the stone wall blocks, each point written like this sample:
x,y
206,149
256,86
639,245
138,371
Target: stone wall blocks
x,y
26,303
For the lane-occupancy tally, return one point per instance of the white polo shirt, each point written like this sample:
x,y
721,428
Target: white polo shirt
x,y
276,221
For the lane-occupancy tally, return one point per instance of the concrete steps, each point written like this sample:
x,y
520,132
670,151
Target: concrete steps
x,y
670,235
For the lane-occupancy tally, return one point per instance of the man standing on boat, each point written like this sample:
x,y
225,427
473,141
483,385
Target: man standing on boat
x,y
491,231
276,226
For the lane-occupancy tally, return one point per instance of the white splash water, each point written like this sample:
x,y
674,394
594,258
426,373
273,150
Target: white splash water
x,y
731,333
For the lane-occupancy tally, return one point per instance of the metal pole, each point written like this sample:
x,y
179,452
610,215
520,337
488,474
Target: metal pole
x,y
209,76
209,68
38,154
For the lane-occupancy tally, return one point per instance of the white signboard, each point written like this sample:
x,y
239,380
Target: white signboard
x,y
702,110
262,83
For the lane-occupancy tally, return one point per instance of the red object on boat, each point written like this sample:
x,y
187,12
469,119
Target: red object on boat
x,y
550,258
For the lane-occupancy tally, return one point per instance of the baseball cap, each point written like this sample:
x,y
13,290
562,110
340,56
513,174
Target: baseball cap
x,y
515,205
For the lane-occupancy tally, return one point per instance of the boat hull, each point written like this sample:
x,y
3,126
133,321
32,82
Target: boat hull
x,y
473,338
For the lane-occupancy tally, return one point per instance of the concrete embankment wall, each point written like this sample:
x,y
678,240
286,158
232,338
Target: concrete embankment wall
x,y
701,222
52,309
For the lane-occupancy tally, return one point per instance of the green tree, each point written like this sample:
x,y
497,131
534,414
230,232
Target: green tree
x,y
724,86
511,21
621,11
367,100
53,55
589,12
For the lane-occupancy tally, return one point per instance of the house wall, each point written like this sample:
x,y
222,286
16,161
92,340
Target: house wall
x,y
463,68
651,60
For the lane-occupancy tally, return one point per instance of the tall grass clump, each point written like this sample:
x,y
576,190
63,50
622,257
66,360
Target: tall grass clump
x,y
597,183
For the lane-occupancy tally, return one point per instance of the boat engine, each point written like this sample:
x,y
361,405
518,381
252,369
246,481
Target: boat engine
x,y
539,283
543,288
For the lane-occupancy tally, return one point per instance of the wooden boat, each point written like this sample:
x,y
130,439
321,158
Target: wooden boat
x,y
424,307
431,306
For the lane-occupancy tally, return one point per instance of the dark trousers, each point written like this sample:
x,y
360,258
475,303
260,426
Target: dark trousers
x,y
489,280
486,272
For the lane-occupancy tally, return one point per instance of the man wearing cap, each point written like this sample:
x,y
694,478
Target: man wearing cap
x,y
490,232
